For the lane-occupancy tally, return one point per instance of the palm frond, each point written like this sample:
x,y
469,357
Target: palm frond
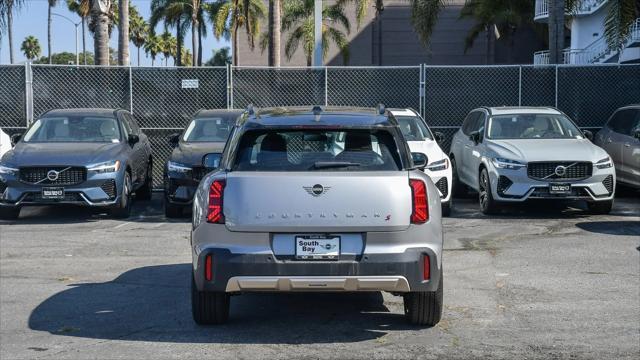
x,y
424,15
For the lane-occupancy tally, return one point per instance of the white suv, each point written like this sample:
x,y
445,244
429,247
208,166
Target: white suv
x,y
422,140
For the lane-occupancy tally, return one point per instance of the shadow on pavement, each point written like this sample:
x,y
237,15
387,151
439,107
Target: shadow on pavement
x,y
628,228
153,304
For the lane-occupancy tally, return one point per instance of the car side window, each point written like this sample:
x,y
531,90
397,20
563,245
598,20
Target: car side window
x,y
469,122
126,126
623,121
479,124
132,124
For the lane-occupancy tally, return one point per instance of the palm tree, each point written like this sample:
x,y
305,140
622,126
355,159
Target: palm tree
x,y
556,30
238,14
220,58
505,15
172,14
123,32
81,8
52,4
6,9
31,48
186,57
139,31
153,46
100,23
300,13
169,47
275,32
621,15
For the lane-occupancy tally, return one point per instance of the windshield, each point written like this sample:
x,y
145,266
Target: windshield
x,y
213,129
413,128
317,150
74,129
532,126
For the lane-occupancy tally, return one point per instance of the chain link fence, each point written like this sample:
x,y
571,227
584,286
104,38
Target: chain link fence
x,y
163,99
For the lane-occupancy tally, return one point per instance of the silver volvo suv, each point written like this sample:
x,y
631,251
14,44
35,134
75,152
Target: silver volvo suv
x,y
317,200
512,154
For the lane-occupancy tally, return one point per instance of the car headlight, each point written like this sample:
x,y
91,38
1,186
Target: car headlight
x,y
105,167
604,163
502,163
438,165
8,170
177,167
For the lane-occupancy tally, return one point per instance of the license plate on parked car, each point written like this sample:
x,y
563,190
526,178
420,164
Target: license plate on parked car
x,y
53,193
560,189
317,247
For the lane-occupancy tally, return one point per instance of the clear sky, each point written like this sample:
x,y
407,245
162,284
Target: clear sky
x,y
32,20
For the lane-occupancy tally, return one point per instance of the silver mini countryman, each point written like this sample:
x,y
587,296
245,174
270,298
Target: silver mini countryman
x,y
317,200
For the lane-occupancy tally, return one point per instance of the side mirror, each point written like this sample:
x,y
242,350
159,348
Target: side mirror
x,y
419,160
637,134
475,137
133,139
211,161
439,137
588,134
174,139
15,138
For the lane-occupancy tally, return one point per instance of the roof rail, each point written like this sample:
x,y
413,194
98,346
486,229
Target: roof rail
x,y
316,109
250,110
381,109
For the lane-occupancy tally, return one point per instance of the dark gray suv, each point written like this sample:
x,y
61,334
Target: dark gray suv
x,y
91,157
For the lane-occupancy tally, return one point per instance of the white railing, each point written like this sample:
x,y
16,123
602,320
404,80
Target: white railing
x,y
585,7
596,52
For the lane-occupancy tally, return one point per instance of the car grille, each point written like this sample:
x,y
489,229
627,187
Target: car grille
x,y
503,184
608,183
198,172
66,175
109,187
443,186
547,170
37,198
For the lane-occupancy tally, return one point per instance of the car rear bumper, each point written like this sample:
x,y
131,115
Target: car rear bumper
x,y
397,272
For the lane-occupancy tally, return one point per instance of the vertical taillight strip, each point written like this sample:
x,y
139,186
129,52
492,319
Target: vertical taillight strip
x,y
214,212
420,213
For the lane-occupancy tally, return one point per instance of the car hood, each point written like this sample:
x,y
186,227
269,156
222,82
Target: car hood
x,y
80,154
526,150
192,153
429,148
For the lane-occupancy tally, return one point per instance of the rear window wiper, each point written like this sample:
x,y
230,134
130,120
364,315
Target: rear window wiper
x,y
333,164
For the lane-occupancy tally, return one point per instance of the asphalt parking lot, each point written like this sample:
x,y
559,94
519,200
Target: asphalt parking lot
x,y
542,283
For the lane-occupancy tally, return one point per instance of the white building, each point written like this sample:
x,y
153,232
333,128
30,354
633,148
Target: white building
x,y
588,45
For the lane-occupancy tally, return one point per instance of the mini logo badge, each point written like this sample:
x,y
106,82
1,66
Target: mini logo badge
x,y
560,170
52,175
316,190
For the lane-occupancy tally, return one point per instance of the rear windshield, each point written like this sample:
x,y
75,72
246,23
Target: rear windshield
x,y
211,129
317,150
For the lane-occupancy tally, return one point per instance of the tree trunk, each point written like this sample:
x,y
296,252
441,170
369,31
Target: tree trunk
x,y
274,32
178,61
84,40
556,31
138,56
123,33
10,31
195,27
200,47
49,33
236,57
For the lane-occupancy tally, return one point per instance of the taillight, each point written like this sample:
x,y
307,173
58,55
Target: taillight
x,y
426,270
208,268
420,213
214,213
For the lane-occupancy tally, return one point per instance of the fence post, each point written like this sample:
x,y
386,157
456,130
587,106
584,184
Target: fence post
x,y
130,90
520,86
326,87
28,93
229,86
556,91
422,90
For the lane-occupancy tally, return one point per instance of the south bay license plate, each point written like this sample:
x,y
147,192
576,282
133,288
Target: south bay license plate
x,y
53,193
560,189
317,247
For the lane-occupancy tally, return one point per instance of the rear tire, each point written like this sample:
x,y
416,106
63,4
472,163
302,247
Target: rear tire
x,y
424,308
208,308
146,190
171,210
9,213
488,205
123,209
600,207
446,208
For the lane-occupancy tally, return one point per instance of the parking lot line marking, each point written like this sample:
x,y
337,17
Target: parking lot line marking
x,y
122,225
